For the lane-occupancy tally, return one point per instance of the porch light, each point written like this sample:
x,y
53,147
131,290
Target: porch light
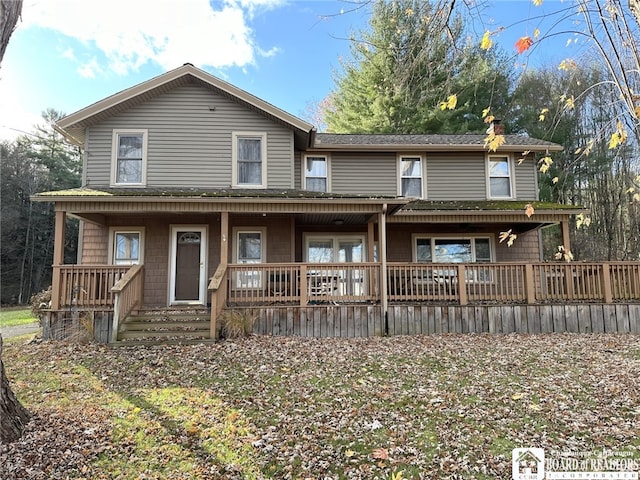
x,y
338,221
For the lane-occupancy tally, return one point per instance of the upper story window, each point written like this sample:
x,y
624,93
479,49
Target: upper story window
x,y
249,154
129,157
410,176
500,173
316,173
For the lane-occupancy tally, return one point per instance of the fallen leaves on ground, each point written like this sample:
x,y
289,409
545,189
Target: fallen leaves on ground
x,y
440,406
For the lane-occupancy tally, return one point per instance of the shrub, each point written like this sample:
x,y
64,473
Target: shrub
x,y
237,323
39,302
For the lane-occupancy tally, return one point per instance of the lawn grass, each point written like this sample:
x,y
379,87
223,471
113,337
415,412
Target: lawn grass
x,y
442,406
11,317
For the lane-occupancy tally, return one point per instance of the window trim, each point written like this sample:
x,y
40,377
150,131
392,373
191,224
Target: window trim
x,y
113,231
236,231
416,236
423,173
511,177
327,159
114,156
235,136
334,236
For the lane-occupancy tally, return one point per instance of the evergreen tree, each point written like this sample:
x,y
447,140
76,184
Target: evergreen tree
x,y
413,56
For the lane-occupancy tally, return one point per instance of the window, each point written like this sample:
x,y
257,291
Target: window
x,y
129,157
126,246
250,249
249,160
452,250
500,178
410,176
316,174
338,249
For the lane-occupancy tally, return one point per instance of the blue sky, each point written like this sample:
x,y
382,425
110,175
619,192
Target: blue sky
x,y
67,54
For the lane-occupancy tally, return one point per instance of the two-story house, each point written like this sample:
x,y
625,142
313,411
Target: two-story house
x,y
198,194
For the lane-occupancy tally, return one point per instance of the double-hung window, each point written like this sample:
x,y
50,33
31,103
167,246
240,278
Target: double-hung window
x,y
129,158
500,173
126,245
410,176
250,249
249,154
316,173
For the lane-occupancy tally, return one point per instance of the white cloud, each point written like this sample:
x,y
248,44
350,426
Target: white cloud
x,y
130,33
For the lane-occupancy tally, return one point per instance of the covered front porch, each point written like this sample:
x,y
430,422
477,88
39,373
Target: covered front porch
x,y
363,259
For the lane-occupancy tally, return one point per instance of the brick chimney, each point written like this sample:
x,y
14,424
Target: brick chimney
x,y
497,127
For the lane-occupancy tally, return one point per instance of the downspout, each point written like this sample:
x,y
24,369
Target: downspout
x,y
382,234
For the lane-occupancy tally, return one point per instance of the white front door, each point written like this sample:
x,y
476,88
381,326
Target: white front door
x,y
187,272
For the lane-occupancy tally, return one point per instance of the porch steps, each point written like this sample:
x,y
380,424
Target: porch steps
x,y
174,326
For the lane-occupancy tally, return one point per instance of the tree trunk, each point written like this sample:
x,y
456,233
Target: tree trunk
x,y
10,11
13,416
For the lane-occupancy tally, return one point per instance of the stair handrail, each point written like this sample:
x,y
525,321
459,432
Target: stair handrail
x,y
127,294
217,287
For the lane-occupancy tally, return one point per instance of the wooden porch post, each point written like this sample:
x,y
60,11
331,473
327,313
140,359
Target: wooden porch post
x,y
382,255
566,240
58,257
224,258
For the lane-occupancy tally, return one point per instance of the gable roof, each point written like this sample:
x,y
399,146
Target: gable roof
x,y
73,125
427,142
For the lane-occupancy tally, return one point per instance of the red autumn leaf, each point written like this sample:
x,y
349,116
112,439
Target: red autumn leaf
x,y
523,44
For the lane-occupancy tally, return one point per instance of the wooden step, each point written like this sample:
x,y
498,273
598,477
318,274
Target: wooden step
x,y
163,326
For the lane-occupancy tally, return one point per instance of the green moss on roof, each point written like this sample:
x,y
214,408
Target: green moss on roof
x,y
76,192
486,205
171,192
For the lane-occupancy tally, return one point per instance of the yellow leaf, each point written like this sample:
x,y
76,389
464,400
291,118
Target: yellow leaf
x,y
535,408
486,42
581,221
618,137
537,3
349,453
493,141
536,33
528,210
543,113
570,103
546,163
555,180
485,112
508,236
450,104
517,396
567,64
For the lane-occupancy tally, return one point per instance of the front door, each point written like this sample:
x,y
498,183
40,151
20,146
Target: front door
x,y
188,264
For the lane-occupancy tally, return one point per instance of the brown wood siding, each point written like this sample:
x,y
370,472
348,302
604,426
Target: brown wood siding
x,y
189,143
458,176
95,245
278,236
364,173
526,248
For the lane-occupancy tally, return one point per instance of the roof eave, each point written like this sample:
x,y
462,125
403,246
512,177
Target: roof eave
x,y
433,147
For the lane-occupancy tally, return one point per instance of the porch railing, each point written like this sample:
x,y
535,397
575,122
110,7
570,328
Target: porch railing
x,y
303,283
85,286
514,282
127,296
